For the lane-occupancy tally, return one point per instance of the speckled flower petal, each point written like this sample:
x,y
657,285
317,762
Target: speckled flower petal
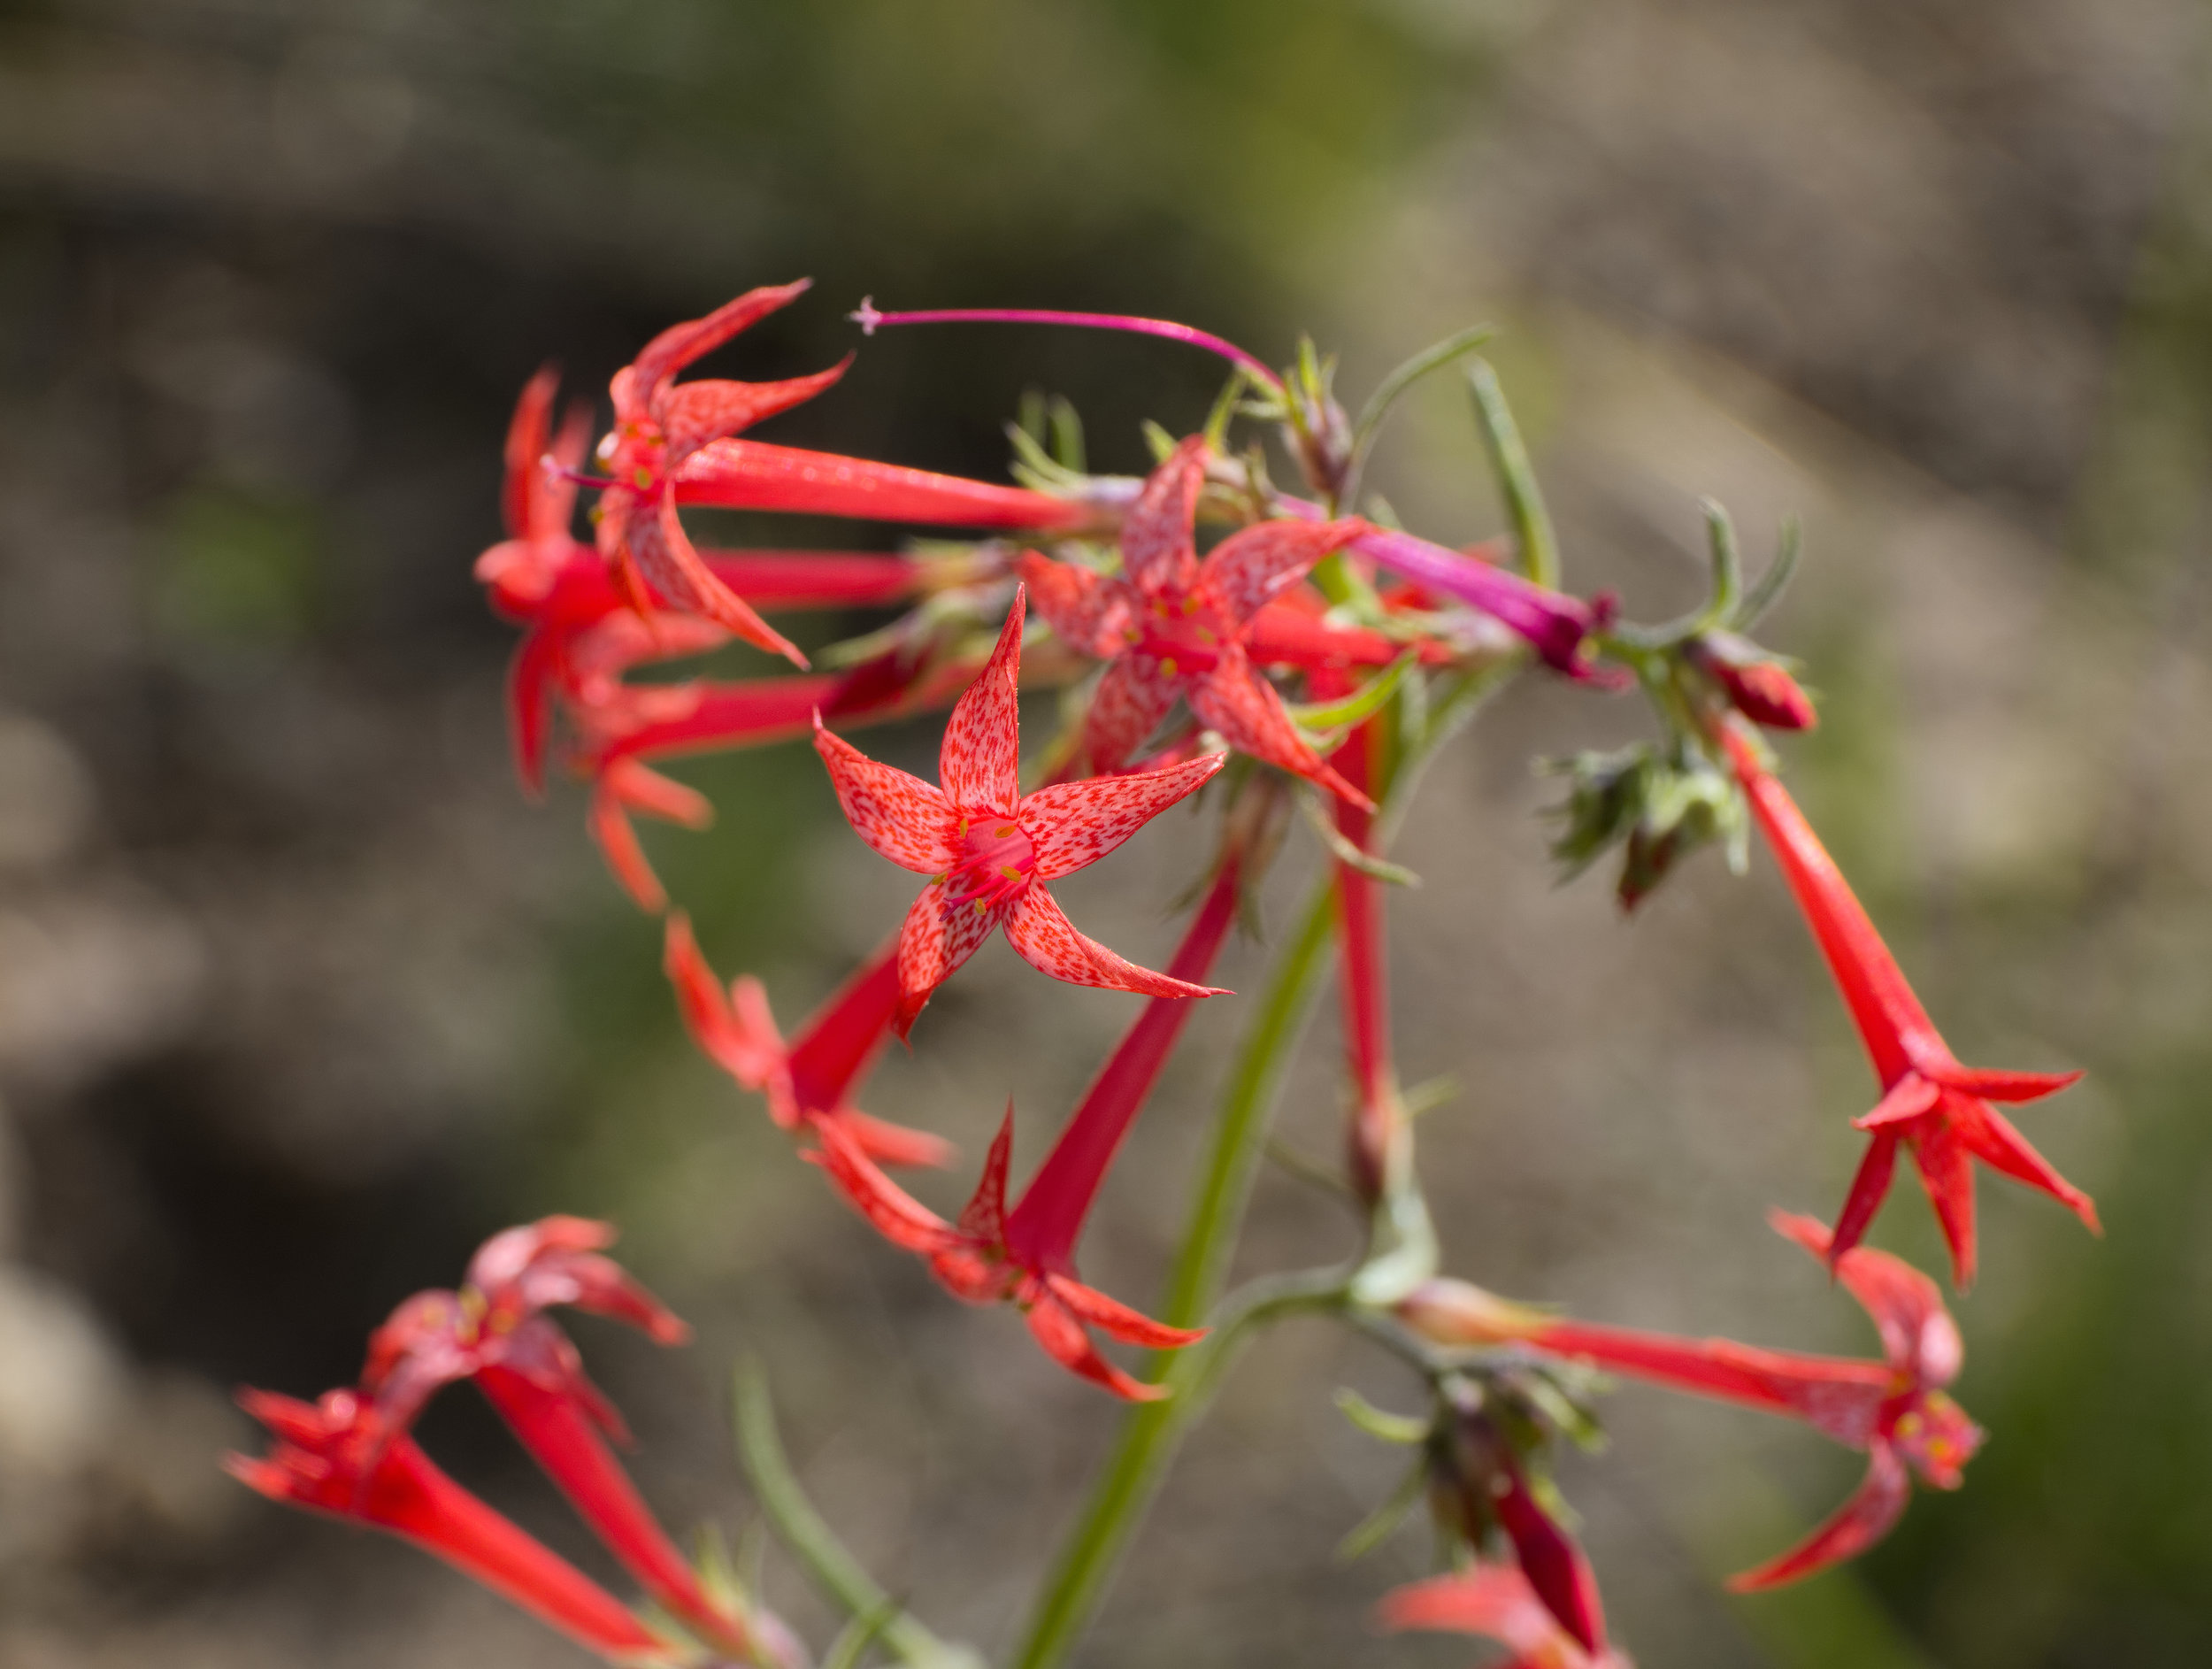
x,y
1046,940
1074,824
903,817
979,762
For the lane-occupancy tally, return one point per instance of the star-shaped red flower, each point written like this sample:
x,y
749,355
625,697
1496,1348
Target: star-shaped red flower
x,y
988,849
658,425
1936,1108
1174,626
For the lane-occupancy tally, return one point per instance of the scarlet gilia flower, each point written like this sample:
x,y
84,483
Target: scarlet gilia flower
x,y
337,1456
1173,625
1755,683
988,848
810,1081
1896,1409
494,1331
658,426
1937,1109
1026,1256
1496,1603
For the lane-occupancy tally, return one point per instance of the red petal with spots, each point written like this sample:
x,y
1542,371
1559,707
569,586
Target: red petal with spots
x,y
979,761
1074,824
937,937
693,413
1063,1340
1086,612
1131,700
663,551
1864,1519
903,817
1244,708
1049,943
1157,553
1251,567
680,344
897,1215
983,1217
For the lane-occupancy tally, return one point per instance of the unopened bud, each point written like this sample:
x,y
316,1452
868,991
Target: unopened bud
x,y
1756,684
1457,1312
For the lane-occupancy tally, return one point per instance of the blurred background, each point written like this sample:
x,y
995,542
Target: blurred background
x,y
299,999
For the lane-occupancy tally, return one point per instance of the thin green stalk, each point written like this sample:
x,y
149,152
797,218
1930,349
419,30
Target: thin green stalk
x,y
1151,1432
808,1535
1149,1439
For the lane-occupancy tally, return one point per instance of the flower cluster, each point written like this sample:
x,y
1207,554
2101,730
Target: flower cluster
x,y
1223,644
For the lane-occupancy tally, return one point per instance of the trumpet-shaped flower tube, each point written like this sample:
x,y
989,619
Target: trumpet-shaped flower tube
x,y
989,850
1027,1256
810,1081
1171,625
337,1456
1896,1410
1932,1106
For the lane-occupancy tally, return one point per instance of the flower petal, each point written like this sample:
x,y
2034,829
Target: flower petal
x,y
1493,1601
662,550
693,413
1157,553
1063,1340
529,705
739,1037
1244,708
937,937
984,1217
680,344
1049,943
888,1143
1870,1183
1117,1319
528,433
1864,1519
1918,1336
903,817
1993,1085
1085,611
1990,1135
1075,824
897,1215
979,761
1947,1171
1908,1098
1125,709
1252,566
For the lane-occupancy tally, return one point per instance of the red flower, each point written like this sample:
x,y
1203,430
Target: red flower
x,y
988,849
1028,1256
658,426
1173,625
1896,1409
1937,1109
1756,684
1495,1602
809,1082
337,1456
494,1331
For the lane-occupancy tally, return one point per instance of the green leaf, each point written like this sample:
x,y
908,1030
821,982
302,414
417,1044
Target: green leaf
x,y
1393,387
1538,546
1775,581
1362,704
1403,1429
1332,838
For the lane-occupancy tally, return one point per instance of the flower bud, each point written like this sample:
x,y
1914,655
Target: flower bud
x,y
1757,685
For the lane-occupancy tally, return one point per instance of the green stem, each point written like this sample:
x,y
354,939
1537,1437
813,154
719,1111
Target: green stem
x,y
1149,1439
1151,1432
808,1535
